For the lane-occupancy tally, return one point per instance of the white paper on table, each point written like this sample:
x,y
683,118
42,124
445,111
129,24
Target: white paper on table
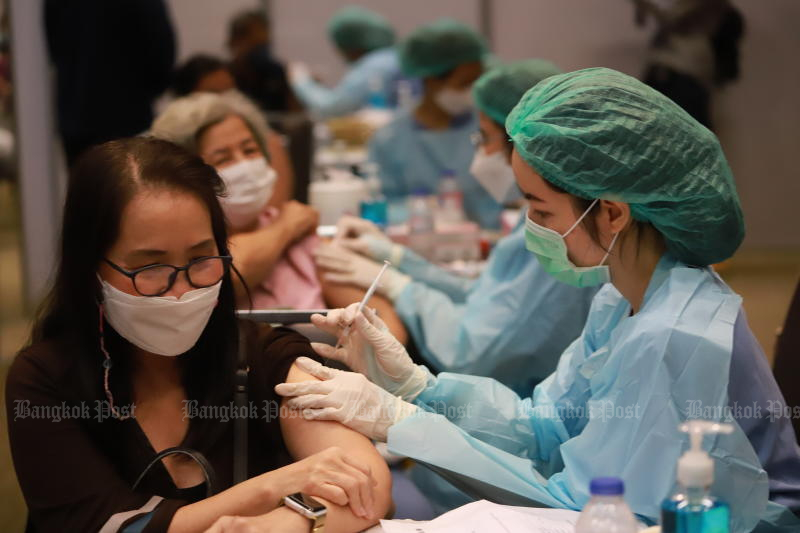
x,y
486,517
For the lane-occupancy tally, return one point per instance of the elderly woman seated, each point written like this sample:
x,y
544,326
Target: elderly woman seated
x,y
272,239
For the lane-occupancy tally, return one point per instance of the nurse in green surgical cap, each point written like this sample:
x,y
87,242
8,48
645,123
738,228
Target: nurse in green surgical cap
x,y
627,191
433,139
366,41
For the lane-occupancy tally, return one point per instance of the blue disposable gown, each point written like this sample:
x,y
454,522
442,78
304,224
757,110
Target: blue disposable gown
x,y
353,91
411,157
612,407
512,323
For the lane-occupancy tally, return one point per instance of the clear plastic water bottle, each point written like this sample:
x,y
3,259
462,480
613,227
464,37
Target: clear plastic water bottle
x,y
451,200
421,223
606,511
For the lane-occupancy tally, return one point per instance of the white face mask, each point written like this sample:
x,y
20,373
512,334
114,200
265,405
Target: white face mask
x,y
249,185
163,325
453,101
495,175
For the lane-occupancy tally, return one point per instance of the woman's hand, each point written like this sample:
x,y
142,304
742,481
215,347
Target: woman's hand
x,y
299,219
335,476
345,397
371,350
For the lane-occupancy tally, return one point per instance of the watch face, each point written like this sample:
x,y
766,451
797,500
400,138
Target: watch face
x,y
308,502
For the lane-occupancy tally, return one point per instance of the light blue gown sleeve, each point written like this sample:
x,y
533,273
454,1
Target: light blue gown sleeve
x,y
612,408
349,96
353,91
435,277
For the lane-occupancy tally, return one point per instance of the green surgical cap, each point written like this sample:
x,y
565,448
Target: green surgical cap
x,y
597,133
498,91
439,47
356,28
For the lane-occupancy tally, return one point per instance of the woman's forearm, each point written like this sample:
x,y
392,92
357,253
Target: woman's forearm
x,y
256,253
256,496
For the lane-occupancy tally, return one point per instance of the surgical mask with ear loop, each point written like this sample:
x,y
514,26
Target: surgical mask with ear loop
x,y
454,102
551,251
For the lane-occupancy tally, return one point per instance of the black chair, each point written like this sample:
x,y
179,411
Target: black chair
x,y
787,358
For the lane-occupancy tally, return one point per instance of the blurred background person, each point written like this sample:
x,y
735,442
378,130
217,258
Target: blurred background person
x,y
366,41
262,77
112,61
694,51
203,73
420,146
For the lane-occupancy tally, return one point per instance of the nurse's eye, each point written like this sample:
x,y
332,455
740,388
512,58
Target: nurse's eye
x,y
540,214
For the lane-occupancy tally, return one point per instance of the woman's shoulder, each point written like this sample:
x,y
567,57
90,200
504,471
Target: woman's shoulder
x,y
272,351
43,366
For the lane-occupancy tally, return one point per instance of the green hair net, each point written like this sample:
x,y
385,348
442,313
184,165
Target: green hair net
x,y
439,47
498,91
597,133
356,28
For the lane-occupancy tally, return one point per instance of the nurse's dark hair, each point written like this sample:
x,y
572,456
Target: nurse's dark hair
x,y
101,183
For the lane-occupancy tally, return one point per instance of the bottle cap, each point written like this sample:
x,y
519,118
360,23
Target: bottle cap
x,y
607,486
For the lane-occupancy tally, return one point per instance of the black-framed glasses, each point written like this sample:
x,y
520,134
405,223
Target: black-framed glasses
x,y
155,280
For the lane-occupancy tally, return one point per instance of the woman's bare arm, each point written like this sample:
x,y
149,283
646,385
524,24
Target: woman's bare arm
x,y
304,438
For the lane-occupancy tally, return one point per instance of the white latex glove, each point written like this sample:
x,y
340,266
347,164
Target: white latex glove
x,y
298,73
345,397
347,267
365,238
370,349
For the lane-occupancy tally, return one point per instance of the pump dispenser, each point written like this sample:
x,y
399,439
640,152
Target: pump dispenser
x,y
692,509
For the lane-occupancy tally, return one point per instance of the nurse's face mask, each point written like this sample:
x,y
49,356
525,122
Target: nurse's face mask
x,y
551,251
493,170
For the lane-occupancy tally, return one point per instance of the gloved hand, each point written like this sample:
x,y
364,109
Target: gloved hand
x,y
365,238
298,73
371,350
345,397
345,266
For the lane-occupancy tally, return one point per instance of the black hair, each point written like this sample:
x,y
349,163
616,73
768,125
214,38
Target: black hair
x,y
101,183
241,25
187,77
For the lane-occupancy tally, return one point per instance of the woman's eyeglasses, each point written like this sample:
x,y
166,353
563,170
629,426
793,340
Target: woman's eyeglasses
x,y
155,280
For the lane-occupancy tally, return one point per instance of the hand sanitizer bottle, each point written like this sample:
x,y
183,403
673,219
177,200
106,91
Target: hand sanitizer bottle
x,y
692,509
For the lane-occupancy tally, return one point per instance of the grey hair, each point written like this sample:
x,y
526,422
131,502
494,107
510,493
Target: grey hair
x,y
184,118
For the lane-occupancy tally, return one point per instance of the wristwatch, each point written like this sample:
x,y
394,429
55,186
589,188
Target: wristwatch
x,y
308,507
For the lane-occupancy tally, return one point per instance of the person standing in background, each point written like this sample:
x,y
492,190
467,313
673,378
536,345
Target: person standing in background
x,y
263,79
257,73
695,50
108,56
